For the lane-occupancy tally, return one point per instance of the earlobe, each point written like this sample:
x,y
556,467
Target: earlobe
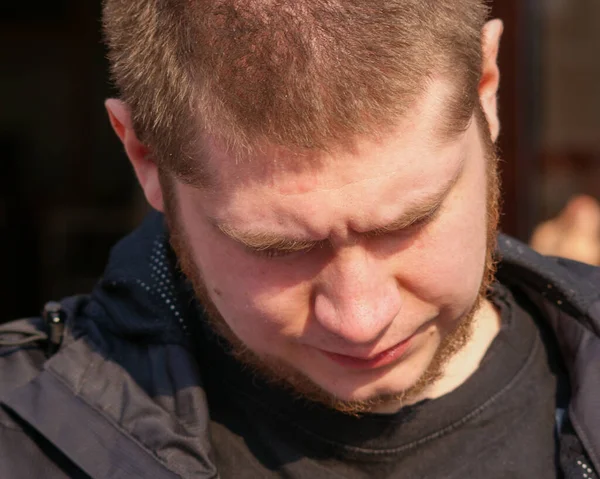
x,y
139,155
490,75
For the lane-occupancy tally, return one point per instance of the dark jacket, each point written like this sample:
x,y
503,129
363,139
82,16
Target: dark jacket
x,y
123,396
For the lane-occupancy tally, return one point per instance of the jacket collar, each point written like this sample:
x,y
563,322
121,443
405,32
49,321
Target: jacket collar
x,y
571,286
142,294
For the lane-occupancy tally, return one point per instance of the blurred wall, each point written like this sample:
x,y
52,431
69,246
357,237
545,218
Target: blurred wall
x,y
569,157
67,192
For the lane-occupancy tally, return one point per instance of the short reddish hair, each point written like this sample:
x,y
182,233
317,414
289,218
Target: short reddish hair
x,y
304,74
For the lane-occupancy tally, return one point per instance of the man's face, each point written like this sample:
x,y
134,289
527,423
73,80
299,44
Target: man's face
x,y
357,274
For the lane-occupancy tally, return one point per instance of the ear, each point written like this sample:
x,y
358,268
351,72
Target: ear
x,y
144,166
490,75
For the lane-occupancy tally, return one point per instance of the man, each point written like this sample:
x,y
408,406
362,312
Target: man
x,y
316,294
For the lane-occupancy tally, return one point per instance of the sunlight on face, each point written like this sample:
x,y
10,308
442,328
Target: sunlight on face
x,y
350,272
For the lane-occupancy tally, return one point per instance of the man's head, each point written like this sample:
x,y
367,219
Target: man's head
x,y
328,175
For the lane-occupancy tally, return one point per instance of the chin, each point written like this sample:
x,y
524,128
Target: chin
x,y
373,386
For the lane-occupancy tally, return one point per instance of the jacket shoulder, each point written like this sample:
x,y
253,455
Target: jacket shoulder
x,y
562,281
583,270
22,357
26,344
22,352
24,453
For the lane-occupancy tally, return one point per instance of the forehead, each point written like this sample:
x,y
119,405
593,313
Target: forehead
x,y
364,185
413,160
312,196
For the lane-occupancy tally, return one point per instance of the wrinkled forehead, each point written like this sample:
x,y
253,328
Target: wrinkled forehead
x,y
374,184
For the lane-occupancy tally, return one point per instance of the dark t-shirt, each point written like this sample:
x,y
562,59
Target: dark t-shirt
x,y
499,424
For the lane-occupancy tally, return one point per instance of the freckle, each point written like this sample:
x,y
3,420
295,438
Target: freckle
x,y
218,292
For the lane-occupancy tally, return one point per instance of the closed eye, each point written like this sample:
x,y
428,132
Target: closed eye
x,y
289,249
277,251
407,227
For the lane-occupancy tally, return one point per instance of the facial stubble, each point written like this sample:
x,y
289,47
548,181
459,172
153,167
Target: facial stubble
x,y
277,371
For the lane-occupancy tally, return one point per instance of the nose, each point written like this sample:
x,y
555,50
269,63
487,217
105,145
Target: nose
x,y
356,298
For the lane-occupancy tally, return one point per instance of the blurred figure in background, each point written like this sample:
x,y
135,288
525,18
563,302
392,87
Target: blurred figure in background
x,y
573,234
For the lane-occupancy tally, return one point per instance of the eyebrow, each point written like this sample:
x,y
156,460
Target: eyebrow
x,y
426,209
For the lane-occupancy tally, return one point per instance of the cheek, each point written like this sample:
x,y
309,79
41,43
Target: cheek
x,y
445,265
259,300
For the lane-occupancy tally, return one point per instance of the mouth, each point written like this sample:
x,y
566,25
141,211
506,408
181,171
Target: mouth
x,y
380,360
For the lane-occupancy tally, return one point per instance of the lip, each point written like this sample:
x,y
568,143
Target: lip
x,y
380,360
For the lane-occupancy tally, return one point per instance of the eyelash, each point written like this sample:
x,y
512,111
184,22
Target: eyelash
x,y
272,253
424,221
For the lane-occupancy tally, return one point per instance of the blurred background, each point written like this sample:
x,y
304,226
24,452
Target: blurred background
x,y
67,193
